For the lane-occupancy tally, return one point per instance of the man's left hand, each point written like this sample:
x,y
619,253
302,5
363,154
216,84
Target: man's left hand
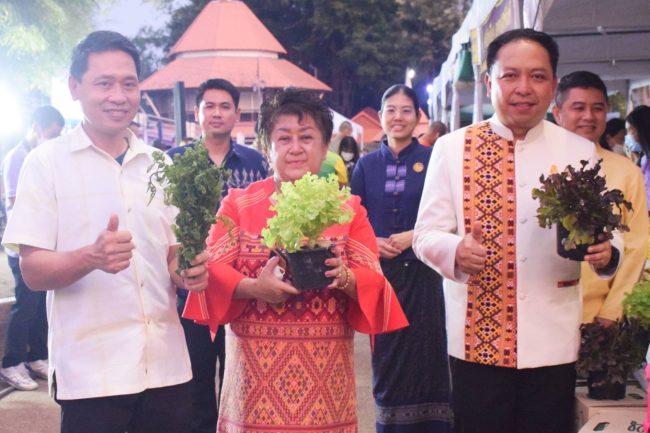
x,y
196,277
599,255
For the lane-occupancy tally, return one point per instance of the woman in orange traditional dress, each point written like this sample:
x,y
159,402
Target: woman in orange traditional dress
x,y
290,353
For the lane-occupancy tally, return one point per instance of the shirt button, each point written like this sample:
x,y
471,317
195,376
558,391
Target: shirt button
x,y
523,259
520,148
523,220
395,210
521,297
522,184
396,177
395,193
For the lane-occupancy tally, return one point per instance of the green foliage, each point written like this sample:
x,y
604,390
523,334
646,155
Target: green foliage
x,y
580,201
304,209
194,185
615,350
37,37
637,303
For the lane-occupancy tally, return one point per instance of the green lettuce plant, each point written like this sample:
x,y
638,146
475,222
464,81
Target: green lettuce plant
x,y
305,208
578,199
637,303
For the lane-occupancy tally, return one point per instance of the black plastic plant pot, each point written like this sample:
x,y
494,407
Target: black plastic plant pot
x,y
307,268
578,253
604,390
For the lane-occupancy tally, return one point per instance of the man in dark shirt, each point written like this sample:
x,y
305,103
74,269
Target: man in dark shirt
x,y
216,111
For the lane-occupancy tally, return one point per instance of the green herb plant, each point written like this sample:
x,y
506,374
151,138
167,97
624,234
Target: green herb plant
x,y
305,208
611,351
194,185
580,201
637,303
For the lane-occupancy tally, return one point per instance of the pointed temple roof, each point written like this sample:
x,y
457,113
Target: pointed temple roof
x,y
227,25
227,40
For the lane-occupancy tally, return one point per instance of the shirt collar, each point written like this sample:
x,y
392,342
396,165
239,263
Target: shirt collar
x,y
80,140
234,149
505,132
385,150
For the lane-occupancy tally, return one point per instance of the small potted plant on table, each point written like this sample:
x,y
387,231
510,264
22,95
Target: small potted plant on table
x,y
608,353
304,209
581,206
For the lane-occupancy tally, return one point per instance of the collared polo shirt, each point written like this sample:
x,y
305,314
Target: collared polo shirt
x,y
109,334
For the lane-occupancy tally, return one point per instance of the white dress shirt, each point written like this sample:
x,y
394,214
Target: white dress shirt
x,y
109,334
548,311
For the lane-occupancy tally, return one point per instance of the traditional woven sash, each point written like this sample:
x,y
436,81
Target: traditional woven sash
x,y
489,198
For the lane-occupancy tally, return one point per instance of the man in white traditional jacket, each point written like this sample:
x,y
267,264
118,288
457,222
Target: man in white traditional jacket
x,y
513,305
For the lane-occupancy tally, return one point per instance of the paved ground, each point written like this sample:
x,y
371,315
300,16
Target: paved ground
x,y
35,412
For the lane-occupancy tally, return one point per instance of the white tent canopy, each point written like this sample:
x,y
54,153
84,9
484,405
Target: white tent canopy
x,y
610,38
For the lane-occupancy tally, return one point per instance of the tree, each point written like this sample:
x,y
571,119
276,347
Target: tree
x,y
37,36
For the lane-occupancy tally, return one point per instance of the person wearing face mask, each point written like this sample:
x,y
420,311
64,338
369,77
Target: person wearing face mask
x,y
614,136
638,140
410,367
26,344
349,152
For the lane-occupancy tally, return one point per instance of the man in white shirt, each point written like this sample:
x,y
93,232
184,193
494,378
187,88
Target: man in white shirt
x,y
26,344
513,305
87,234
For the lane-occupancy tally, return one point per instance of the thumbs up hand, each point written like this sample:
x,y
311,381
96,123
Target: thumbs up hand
x,y
112,251
470,253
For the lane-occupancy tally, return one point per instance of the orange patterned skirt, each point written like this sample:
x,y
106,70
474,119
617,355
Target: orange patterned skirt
x,y
290,368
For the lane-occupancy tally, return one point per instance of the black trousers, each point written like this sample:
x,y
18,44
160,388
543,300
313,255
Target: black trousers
x,y
27,330
204,354
155,410
490,399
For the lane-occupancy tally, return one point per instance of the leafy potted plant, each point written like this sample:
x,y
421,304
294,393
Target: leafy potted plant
x,y
608,353
194,185
581,206
304,209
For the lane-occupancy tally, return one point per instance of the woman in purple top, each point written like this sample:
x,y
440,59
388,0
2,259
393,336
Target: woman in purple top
x,y
638,129
410,367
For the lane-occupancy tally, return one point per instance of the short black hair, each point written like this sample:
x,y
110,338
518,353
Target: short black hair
x,y
581,80
544,39
405,90
294,102
639,117
99,42
219,84
45,116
